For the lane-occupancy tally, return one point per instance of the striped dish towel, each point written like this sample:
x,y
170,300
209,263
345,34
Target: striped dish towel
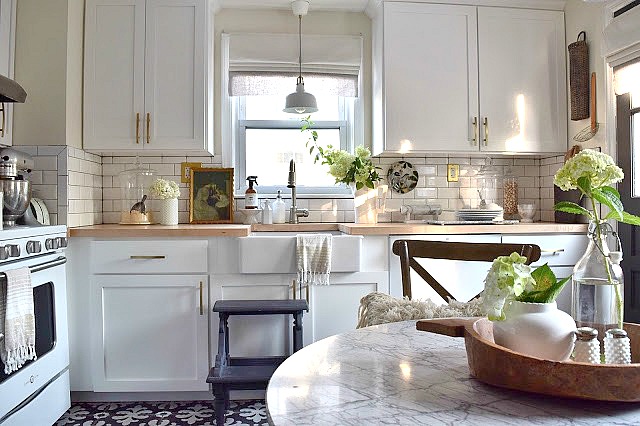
x,y
17,320
314,258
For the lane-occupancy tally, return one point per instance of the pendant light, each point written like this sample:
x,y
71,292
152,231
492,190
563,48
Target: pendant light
x,y
300,102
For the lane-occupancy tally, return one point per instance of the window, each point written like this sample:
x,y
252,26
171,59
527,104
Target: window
x,y
267,139
258,72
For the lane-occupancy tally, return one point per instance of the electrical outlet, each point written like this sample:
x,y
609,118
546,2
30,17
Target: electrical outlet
x,y
453,172
185,171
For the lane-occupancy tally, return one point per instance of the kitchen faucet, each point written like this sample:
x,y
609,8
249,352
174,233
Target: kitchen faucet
x,y
294,211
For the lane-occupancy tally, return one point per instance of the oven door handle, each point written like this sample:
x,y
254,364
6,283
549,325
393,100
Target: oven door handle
x,y
42,266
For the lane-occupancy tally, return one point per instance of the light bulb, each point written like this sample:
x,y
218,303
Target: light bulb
x,y
300,110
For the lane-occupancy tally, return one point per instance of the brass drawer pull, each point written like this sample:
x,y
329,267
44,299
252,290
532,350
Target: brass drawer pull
x,y
201,298
553,252
148,257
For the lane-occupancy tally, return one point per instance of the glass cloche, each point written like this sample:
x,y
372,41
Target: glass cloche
x,y
487,189
134,186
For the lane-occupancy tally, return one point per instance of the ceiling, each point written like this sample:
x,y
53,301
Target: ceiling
x,y
343,5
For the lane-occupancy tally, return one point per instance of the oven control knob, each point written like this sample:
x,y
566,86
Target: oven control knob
x,y
34,247
62,242
4,252
51,243
14,250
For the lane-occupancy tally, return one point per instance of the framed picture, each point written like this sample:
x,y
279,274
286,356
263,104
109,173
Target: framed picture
x,y
211,195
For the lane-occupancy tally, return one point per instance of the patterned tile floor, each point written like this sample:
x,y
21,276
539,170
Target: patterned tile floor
x,y
192,413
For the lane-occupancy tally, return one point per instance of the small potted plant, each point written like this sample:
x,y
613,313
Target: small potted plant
x,y
521,303
166,193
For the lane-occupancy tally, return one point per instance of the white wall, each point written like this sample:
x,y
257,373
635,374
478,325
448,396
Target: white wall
x,y
283,21
582,16
48,65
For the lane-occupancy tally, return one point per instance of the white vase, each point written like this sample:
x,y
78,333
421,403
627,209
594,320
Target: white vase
x,y
365,204
167,211
536,329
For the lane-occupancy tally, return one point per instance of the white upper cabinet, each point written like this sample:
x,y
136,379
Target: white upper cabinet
x,y
147,76
7,48
522,80
459,78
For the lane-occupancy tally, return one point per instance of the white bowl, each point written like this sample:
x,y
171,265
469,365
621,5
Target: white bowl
x,y
527,212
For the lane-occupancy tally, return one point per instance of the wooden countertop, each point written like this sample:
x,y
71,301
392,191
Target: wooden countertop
x,y
238,230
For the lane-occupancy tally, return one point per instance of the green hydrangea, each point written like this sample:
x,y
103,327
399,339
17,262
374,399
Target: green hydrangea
x,y
596,166
507,279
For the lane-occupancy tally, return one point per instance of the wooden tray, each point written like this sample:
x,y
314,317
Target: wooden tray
x,y
502,367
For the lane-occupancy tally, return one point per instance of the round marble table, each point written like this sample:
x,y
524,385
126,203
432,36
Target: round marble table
x,y
394,374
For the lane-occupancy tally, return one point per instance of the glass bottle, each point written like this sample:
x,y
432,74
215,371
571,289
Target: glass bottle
x,y
510,196
597,282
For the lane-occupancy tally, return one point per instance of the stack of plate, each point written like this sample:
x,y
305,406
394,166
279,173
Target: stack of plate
x,y
478,214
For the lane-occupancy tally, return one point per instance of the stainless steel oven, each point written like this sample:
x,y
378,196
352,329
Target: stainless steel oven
x,y
38,393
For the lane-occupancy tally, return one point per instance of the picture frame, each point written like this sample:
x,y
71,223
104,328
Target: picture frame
x,y
211,195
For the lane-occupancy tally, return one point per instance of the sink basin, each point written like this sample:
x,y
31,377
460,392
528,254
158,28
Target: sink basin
x,y
275,253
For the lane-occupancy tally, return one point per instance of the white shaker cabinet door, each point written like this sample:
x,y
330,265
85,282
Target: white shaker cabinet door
x,y
430,77
149,333
114,74
522,80
7,48
175,92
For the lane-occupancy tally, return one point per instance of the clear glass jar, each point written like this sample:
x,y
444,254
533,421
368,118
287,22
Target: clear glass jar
x,y
487,186
134,189
510,196
597,282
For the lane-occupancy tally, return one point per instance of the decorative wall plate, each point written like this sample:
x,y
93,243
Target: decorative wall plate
x,y
402,177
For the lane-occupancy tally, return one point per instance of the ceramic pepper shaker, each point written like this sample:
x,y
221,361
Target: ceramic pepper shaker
x,y
617,347
587,346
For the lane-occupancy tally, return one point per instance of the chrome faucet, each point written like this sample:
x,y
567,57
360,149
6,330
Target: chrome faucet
x,y
294,211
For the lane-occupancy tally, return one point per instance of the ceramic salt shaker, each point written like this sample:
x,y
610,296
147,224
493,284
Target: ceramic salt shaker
x,y
617,347
587,346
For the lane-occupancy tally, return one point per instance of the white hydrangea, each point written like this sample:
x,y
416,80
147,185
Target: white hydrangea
x,y
163,189
597,166
507,279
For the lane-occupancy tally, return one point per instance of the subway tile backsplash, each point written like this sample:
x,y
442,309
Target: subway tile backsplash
x,y
80,188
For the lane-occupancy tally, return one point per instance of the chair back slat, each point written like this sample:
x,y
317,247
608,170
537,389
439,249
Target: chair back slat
x,y
408,250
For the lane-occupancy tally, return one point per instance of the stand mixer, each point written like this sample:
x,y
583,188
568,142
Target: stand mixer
x,y
15,188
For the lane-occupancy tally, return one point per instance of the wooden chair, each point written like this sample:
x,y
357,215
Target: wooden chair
x,y
409,250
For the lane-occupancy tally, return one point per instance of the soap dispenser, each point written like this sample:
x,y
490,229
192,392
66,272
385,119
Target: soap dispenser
x,y
251,195
267,214
279,210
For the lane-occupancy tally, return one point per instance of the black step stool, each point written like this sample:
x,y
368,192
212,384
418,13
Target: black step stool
x,y
236,373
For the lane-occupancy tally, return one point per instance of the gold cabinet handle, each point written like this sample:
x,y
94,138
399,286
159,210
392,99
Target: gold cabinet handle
x,y
475,131
3,120
148,127
201,298
485,123
137,127
553,252
148,257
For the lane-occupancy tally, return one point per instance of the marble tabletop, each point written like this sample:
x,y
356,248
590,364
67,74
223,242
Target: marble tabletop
x,y
394,374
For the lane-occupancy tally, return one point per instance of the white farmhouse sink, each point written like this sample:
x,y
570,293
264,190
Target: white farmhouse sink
x,y
275,253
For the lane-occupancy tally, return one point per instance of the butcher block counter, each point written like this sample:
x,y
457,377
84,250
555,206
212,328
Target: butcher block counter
x,y
239,230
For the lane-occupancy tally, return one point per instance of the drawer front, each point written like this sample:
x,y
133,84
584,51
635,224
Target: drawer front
x,y
557,249
149,257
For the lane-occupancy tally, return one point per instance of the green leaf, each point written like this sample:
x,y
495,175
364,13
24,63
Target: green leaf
x,y
359,185
548,284
570,207
611,190
311,149
584,183
609,200
544,277
630,219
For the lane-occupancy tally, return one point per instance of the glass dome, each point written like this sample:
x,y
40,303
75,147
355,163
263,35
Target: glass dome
x,y
134,186
487,189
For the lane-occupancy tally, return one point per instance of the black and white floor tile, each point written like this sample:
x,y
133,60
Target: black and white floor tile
x,y
181,413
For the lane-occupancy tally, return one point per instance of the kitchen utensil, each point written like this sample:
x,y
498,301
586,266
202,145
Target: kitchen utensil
x,y
402,177
16,197
589,132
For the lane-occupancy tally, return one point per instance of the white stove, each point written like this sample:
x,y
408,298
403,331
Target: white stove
x,y
38,392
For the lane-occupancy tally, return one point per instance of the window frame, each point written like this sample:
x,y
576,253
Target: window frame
x,y
347,130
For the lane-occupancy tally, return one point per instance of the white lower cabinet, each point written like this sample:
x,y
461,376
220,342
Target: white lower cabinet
x,y
149,333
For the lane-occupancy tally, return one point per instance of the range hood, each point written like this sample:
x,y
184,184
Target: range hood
x,y
10,91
